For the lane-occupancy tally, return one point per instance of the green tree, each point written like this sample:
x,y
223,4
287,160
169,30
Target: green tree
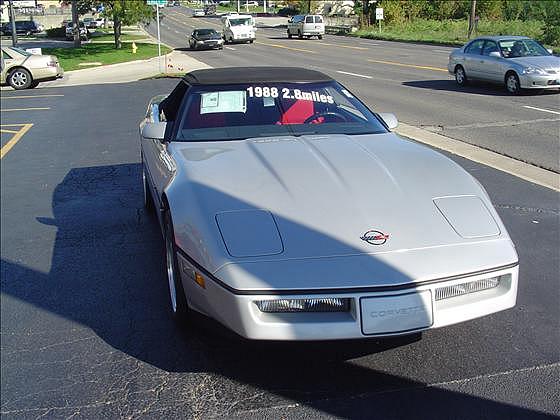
x,y
127,12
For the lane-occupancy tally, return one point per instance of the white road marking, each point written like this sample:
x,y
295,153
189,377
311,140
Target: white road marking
x,y
354,74
443,51
540,109
230,48
368,43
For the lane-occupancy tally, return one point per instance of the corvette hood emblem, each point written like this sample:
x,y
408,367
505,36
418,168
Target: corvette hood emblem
x,y
375,237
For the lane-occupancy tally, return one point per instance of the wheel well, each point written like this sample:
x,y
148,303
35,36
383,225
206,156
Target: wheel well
x,y
510,72
457,66
19,67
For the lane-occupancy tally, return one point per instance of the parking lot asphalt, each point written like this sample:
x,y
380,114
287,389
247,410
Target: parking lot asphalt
x,y
410,80
85,328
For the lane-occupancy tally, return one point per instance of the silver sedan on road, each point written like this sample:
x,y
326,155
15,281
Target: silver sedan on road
x,y
516,61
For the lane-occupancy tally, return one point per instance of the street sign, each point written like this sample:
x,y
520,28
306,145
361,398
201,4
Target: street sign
x,y
379,13
157,2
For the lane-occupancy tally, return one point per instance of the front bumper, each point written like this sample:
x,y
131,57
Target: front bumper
x,y
538,81
210,44
240,313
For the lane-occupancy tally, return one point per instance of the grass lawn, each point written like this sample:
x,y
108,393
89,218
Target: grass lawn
x,y
452,32
111,37
70,58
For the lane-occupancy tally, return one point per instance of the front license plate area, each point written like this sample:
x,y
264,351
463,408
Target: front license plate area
x,y
396,313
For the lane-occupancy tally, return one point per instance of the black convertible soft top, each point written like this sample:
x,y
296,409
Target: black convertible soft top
x,y
241,75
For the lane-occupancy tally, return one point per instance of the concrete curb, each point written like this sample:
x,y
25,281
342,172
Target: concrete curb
x,y
495,160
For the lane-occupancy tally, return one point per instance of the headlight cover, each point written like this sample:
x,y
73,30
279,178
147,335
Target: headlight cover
x,y
533,70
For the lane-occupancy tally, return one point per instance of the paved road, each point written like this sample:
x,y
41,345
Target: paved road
x,y
424,95
85,330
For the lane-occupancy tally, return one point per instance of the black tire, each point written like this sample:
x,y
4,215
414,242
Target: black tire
x,y
320,36
299,35
289,35
20,78
251,41
33,84
461,76
511,83
178,301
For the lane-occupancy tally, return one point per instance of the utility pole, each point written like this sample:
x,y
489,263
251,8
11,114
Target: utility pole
x,y
309,6
13,23
238,6
472,18
76,24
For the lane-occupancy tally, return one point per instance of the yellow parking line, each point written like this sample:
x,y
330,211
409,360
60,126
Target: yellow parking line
x,y
334,45
3,130
6,148
23,109
392,63
29,96
287,48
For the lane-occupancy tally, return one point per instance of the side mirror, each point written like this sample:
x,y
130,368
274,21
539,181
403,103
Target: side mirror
x,y
495,54
389,119
154,130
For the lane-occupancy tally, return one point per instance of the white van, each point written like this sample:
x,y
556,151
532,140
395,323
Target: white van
x,y
238,28
306,25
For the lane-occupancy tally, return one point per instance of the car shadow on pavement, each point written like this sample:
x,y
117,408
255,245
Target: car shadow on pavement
x,y
107,274
479,88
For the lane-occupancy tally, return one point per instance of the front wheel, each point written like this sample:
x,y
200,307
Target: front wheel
x,y
251,41
460,76
512,84
20,78
178,300
289,35
300,35
320,36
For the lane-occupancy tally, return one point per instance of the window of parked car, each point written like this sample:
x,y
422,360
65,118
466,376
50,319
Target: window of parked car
x,y
234,112
522,48
475,47
20,51
490,46
309,19
5,55
318,19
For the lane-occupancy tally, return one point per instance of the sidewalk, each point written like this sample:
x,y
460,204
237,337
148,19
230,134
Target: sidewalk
x,y
174,62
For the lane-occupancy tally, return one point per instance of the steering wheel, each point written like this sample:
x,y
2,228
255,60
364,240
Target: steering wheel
x,y
326,114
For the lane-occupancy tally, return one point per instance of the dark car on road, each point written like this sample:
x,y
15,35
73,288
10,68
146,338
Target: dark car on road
x,y
23,27
205,38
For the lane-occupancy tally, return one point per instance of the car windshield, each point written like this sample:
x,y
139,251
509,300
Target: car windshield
x,y
204,32
235,112
239,22
20,51
522,48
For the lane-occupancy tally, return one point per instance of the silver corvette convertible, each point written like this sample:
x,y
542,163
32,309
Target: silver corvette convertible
x,y
291,212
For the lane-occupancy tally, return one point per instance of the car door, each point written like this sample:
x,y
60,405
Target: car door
x,y
158,164
491,66
472,58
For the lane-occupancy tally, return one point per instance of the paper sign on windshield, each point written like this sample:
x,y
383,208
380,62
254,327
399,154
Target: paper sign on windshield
x,y
226,101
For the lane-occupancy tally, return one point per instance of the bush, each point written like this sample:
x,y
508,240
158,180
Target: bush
x,y
56,32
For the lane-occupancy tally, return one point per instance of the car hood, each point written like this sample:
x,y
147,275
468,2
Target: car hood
x,y
543,62
323,198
